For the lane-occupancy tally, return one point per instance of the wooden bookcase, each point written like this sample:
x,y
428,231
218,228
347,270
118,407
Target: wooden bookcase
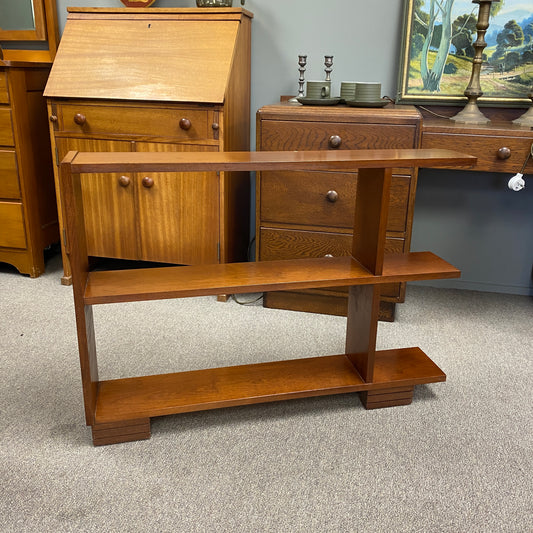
x,y
120,410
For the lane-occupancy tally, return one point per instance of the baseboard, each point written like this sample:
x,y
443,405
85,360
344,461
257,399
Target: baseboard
x,y
464,284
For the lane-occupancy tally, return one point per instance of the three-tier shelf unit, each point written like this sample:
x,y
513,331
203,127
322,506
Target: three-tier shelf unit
x,y
119,410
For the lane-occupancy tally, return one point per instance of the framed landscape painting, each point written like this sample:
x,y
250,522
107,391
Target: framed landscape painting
x,y
437,52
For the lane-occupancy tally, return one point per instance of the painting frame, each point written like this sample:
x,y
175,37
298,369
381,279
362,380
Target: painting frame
x,y
410,78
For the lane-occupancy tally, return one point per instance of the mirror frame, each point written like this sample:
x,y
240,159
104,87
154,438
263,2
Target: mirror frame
x,y
38,34
46,30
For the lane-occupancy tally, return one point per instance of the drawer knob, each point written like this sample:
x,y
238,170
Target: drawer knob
x,y
185,124
335,141
147,182
80,119
215,126
332,196
328,255
503,153
124,181
53,118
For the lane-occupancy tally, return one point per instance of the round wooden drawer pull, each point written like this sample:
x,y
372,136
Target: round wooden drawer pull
x,y
335,141
124,181
147,182
332,196
80,119
53,118
185,124
503,153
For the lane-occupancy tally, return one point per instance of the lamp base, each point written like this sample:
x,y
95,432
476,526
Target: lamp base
x,y
526,119
470,115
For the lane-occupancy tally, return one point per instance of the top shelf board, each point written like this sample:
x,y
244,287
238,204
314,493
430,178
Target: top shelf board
x,y
104,162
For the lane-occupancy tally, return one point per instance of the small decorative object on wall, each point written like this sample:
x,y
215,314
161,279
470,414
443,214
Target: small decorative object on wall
x,y
216,3
438,52
137,3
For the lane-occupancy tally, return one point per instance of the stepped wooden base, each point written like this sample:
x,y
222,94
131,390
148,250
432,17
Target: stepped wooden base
x,y
124,406
387,397
122,431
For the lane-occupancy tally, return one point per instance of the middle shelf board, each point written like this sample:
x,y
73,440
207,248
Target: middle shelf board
x,y
236,278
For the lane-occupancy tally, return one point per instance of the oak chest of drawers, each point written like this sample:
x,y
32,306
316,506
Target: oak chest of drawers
x,y
311,214
151,87
28,215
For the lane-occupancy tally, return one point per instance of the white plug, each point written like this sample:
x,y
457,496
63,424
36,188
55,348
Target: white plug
x,y
516,183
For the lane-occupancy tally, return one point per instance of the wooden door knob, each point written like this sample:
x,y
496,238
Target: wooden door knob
x,y
503,153
53,118
335,141
147,182
124,181
332,196
80,119
185,124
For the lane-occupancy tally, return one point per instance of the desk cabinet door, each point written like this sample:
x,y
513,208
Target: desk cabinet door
x,y
179,218
108,203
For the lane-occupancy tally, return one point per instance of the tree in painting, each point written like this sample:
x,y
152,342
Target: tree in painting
x,y
441,12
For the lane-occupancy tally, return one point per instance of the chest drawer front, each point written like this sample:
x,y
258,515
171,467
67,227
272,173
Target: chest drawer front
x,y
12,234
278,244
323,199
6,129
294,135
4,95
9,182
135,121
485,148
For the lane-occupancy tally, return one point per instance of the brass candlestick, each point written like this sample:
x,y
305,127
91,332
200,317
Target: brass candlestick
x,y
527,118
471,113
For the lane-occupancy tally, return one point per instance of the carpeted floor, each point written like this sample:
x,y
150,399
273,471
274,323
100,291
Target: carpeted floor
x,y
458,459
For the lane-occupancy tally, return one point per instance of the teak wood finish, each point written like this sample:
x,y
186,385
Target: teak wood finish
x,y
156,80
28,214
311,214
120,410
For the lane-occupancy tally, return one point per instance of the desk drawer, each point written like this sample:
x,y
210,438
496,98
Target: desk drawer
x,y
292,244
9,181
294,135
485,148
145,122
6,128
4,94
302,198
12,233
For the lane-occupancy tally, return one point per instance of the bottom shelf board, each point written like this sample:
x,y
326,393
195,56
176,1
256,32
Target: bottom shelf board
x,y
164,394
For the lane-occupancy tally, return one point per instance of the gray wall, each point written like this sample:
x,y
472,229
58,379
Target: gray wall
x,y
469,218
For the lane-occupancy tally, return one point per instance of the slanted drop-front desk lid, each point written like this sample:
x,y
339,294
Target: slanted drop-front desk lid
x,y
171,55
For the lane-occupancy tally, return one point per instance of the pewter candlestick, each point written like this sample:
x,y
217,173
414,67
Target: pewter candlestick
x,y
471,113
302,61
328,61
